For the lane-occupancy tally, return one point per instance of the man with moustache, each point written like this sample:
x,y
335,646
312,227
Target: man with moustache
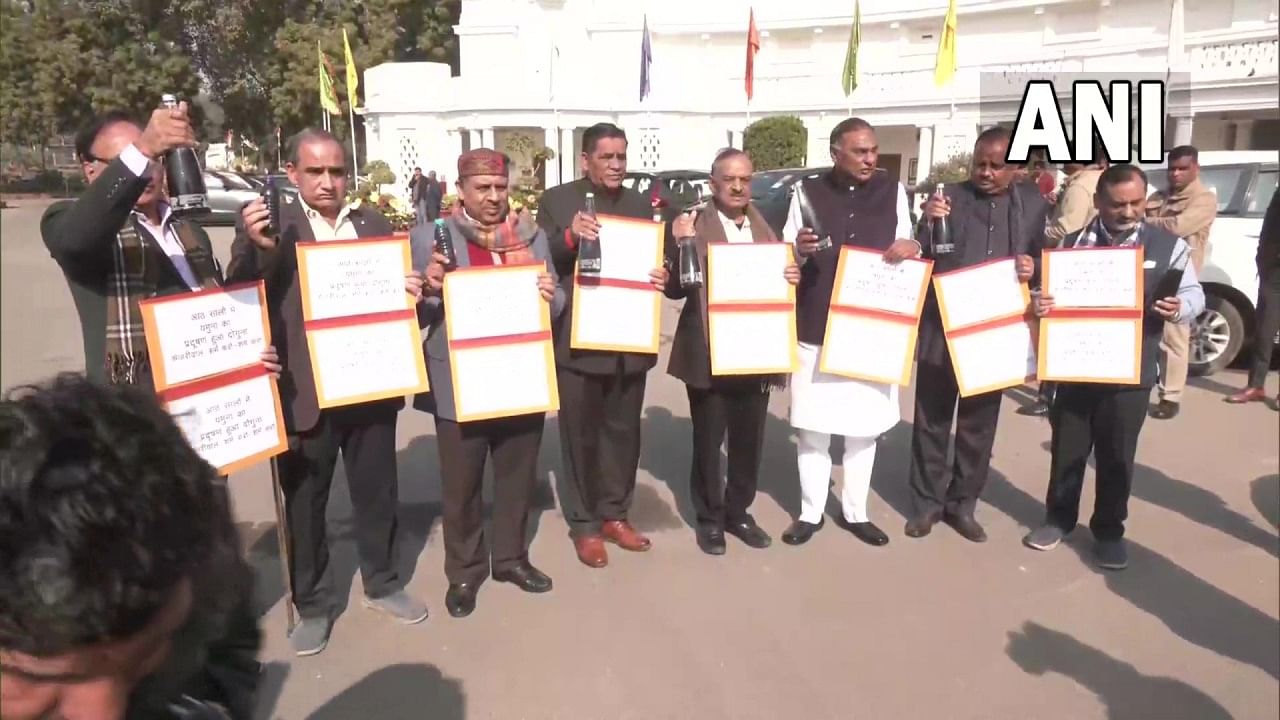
x,y
991,219
1102,418
1187,208
736,405
364,433
485,233
861,206
119,243
601,393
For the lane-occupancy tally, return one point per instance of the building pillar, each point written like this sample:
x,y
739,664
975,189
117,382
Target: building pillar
x,y
567,155
735,138
477,141
1182,127
1244,135
551,140
924,154
486,138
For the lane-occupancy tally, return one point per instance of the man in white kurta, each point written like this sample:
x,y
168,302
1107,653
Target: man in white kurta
x,y
856,204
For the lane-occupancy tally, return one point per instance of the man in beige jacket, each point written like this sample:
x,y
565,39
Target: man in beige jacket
x,y
1186,209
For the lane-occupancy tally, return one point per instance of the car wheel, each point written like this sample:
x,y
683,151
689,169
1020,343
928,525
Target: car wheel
x,y
1216,336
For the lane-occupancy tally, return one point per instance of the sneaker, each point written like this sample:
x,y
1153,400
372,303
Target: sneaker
x,y
1045,537
399,605
310,636
1111,554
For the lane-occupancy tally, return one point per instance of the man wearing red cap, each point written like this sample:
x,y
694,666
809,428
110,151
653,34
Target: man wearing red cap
x,y
483,233
601,393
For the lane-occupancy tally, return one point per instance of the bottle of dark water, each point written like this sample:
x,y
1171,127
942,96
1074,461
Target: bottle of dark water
x,y
184,178
271,195
940,238
444,244
589,262
809,217
690,264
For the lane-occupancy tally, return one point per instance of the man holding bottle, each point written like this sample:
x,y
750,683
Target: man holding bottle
x,y
989,218
601,393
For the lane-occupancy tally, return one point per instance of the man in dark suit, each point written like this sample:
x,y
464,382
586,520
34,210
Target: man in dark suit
x,y
991,218
365,433
601,393
1267,315
732,405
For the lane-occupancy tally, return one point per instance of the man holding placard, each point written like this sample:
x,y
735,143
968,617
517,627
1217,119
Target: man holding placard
x,y
364,433
492,373
857,205
602,390
1105,418
991,218
720,402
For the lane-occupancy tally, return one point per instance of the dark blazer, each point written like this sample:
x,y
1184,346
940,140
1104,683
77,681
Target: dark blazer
x,y
690,359
81,234
556,209
1028,211
279,268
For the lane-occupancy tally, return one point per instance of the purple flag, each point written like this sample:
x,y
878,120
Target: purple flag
x,y
646,59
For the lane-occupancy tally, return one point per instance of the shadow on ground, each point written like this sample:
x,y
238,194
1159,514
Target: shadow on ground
x,y
399,692
1126,692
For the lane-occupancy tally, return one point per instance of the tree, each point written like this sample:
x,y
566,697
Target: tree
x,y
21,122
953,170
776,142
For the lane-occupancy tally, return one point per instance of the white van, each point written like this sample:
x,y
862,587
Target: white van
x,y
1244,182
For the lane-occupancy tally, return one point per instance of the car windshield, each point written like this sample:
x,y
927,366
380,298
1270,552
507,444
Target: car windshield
x,y
233,182
1223,181
764,183
1264,187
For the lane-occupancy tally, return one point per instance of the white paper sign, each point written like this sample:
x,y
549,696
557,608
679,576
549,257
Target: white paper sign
x,y
629,250
208,333
867,348
981,293
748,272
612,317
1091,278
870,282
355,278
1090,348
229,423
363,361
994,359
499,379
494,303
752,342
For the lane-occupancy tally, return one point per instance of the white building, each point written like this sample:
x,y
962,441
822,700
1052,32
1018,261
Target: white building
x,y
534,73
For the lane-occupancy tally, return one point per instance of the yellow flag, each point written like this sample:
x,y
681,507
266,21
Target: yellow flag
x,y
353,78
945,66
328,98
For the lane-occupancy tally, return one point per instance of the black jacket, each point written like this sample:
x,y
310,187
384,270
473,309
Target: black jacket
x,y
1269,243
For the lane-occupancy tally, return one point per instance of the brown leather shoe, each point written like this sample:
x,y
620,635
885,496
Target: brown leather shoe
x,y
591,551
1248,395
620,533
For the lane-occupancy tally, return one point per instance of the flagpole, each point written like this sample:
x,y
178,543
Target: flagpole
x,y
355,158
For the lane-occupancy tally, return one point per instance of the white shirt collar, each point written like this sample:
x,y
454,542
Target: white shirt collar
x,y
313,214
166,214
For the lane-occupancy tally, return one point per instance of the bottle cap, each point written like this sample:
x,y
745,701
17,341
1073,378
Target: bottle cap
x,y
591,195
169,100
439,221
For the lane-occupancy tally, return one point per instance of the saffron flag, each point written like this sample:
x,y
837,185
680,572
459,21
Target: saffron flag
x,y
646,59
753,47
945,66
328,98
353,78
851,55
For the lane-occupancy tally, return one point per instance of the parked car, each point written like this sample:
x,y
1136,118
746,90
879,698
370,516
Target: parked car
x,y
771,192
228,192
1244,183
670,191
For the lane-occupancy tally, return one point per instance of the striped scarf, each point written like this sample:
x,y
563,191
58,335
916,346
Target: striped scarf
x,y
512,238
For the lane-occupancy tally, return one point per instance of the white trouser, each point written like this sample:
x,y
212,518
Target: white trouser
x,y
815,475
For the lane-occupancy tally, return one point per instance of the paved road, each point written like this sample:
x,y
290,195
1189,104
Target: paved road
x,y
933,628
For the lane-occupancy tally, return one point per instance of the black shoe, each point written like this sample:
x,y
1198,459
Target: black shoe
x,y
868,533
526,577
1166,410
710,540
800,532
968,528
1039,408
921,525
460,600
750,533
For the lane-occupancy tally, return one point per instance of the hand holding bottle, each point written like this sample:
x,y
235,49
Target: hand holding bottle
x,y
167,129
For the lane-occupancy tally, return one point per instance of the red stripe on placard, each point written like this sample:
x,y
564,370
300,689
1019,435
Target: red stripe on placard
x,y
356,241
365,319
469,343
877,314
593,281
1093,314
988,325
751,307
213,382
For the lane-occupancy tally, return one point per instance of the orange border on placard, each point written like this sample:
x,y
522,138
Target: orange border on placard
x,y
874,313
755,306
304,281
975,328
1046,263
544,327
942,300
575,341
159,371
1043,343
415,342
231,377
